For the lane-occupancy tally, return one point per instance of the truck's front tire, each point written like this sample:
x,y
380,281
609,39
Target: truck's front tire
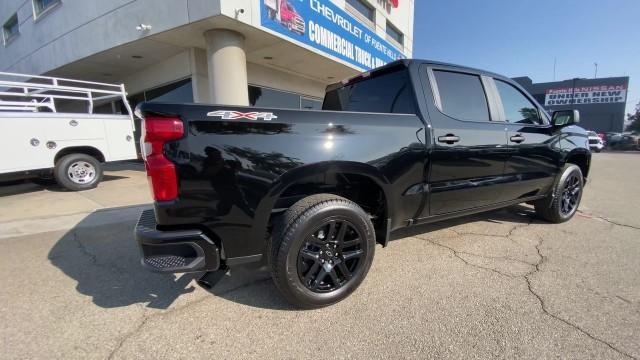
x,y
77,172
562,204
321,250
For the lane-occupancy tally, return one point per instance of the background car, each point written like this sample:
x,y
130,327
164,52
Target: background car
x,y
611,138
595,142
627,142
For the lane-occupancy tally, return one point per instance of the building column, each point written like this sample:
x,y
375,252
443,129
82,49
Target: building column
x,y
227,67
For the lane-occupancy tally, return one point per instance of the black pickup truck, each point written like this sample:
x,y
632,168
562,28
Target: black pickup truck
x,y
310,193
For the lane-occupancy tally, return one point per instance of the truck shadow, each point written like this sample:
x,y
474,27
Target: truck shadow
x,y
100,253
102,256
251,286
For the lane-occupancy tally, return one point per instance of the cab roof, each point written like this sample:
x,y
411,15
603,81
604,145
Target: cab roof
x,y
404,63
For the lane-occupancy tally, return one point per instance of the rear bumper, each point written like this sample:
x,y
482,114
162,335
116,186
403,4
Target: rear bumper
x,y
174,251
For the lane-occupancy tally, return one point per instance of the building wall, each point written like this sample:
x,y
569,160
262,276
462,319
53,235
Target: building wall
x,y
256,74
264,76
401,17
174,68
78,28
74,30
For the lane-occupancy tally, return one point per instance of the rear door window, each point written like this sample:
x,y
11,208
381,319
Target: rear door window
x,y
461,95
517,107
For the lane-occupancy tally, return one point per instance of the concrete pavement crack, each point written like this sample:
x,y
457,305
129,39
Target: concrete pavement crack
x,y
507,236
146,317
623,299
92,257
545,310
516,227
612,222
572,325
127,336
457,253
83,249
527,279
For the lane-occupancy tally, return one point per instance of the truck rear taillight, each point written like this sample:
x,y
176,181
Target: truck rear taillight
x,y
161,172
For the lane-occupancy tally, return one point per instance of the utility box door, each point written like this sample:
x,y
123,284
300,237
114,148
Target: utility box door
x,y
120,138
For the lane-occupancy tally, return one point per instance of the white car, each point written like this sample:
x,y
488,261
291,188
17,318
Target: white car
x,y
595,142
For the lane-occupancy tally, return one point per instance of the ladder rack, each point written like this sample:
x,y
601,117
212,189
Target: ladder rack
x,y
22,92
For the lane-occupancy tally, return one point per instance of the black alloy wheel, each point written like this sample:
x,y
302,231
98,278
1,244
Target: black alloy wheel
x,y
571,192
321,250
330,256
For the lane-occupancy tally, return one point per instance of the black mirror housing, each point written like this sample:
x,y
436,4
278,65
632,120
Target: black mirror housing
x,y
565,117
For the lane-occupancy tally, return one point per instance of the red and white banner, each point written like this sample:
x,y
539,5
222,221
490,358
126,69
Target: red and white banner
x,y
585,95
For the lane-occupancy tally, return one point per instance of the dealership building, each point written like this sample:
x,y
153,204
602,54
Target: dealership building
x,y
271,53
601,101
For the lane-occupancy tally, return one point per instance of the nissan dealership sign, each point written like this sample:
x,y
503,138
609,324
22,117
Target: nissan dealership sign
x,y
586,95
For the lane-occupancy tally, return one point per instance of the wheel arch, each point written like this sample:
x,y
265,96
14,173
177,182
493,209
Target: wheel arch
x,y
351,180
88,150
581,158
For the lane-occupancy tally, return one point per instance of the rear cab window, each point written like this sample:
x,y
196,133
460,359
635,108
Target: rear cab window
x,y
385,93
461,95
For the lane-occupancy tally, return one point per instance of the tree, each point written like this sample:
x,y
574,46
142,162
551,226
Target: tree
x,y
635,120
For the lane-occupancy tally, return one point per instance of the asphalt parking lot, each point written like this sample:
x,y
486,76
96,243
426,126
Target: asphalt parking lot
x,y
499,285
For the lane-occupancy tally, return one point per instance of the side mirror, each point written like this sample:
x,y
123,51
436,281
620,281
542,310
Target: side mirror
x,y
565,117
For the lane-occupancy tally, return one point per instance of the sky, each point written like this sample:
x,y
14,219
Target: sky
x,y
522,37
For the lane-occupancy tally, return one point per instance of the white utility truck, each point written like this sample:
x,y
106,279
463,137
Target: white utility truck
x,y
62,129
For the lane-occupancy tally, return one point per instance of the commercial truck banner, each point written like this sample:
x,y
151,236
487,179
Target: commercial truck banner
x,y
582,95
329,29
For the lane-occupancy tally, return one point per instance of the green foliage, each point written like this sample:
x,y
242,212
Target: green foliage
x,y
635,120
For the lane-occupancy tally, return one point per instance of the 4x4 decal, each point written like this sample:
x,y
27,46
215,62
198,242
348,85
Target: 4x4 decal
x,y
233,115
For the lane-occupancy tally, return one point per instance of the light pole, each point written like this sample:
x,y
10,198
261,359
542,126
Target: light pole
x,y
595,75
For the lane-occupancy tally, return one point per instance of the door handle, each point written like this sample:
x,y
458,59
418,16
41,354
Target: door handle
x,y
517,138
449,139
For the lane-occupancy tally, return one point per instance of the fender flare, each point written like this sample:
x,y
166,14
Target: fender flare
x,y
568,155
310,172
91,150
576,151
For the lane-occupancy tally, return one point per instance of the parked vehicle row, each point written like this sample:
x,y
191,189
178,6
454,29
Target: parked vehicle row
x,y
622,141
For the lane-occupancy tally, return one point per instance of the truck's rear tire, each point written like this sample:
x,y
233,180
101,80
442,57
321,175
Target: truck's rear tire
x,y
321,250
77,172
563,202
